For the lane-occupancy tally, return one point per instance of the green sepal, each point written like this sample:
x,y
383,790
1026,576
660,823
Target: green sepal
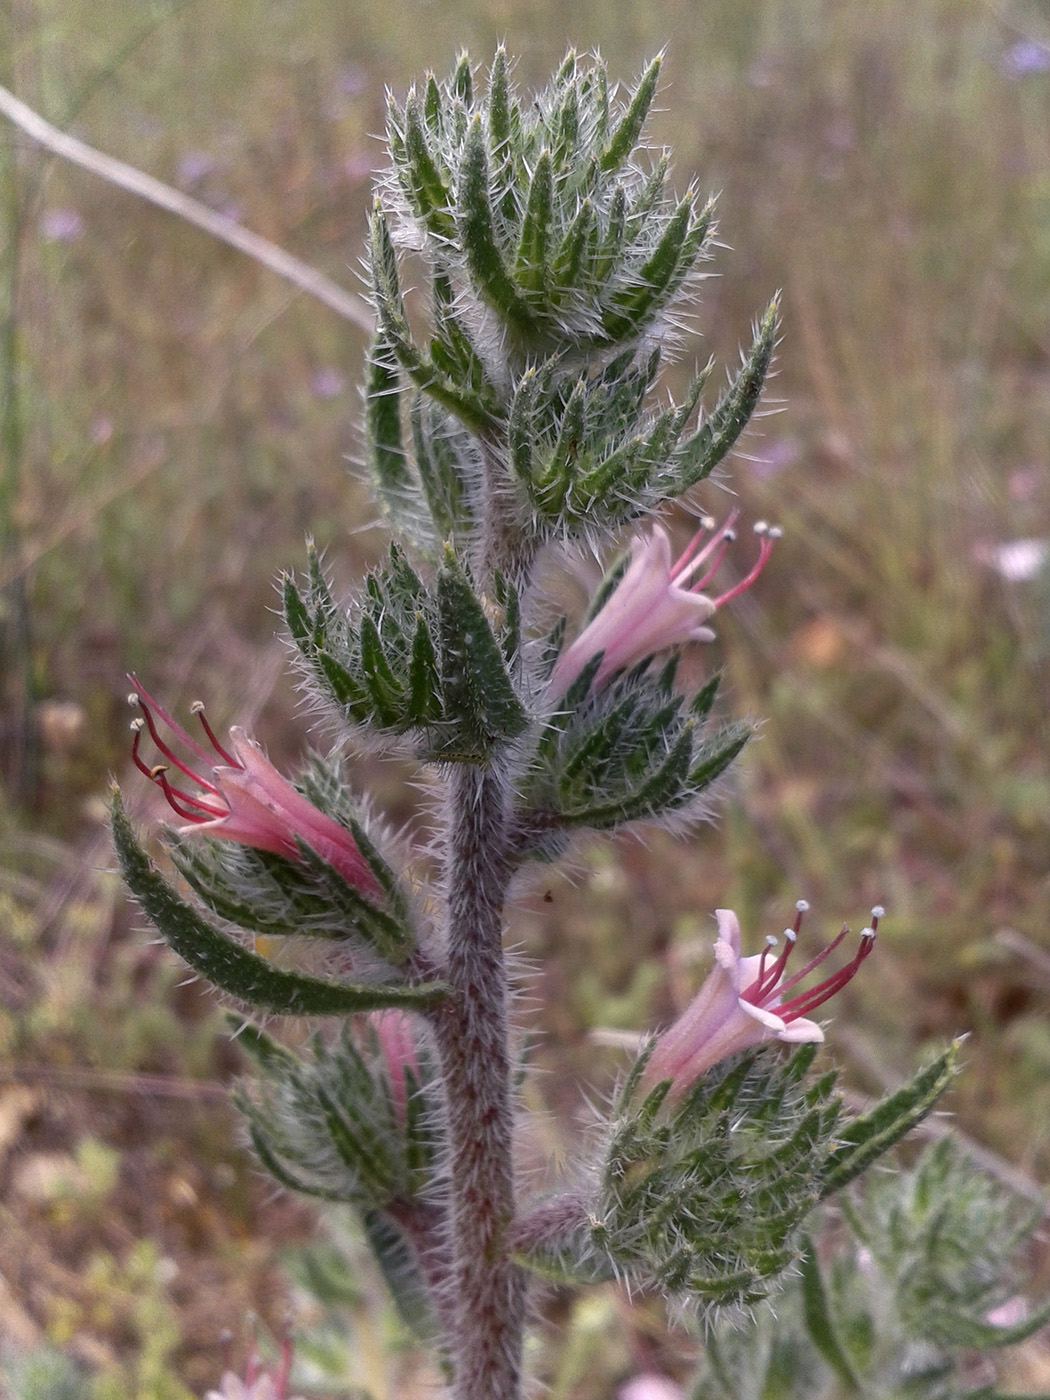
x,y
695,459
424,693
717,753
267,1053
481,705
463,80
232,968
471,407
633,308
624,138
499,101
478,235
442,451
389,935
565,266
531,265
387,695
865,1138
277,1168
387,460
425,185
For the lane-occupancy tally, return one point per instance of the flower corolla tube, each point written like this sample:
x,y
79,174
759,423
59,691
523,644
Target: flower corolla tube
x,y
746,1001
658,603
243,797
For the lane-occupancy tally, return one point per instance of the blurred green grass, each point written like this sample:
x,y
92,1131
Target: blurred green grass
x,y
175,421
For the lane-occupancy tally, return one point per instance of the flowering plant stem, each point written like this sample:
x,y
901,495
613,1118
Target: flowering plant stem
x,y
471,1030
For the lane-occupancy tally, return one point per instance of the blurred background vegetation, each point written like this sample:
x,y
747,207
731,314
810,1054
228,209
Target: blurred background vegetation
x,y
175,420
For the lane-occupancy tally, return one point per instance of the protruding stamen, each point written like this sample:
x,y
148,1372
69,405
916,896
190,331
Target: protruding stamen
x,y
767,978
802,905
814,962
765,549
816,996
197,708
688,562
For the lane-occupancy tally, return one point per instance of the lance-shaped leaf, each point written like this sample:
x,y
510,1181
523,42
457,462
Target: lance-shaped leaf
x,y
388,462
471,406
221,960
424,184
481,705
681,243
695,459
478,235
624,138
820,1321
869,1135
531,268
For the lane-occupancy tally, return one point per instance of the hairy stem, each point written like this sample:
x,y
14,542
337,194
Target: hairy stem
x,y
472,1036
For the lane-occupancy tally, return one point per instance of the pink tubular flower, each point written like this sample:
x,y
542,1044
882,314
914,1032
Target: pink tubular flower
x,y
658,604
397,1046
244,799
744,1002
257,1384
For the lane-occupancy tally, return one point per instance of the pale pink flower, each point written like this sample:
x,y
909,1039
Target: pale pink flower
x,y
650,1385
743,1003
397,1045
257,1384
658,604
244,798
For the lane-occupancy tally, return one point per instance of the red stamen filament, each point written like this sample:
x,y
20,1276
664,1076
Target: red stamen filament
x,y
144,698
764,551
688,563
767,979
199,711
176,795
166,751
813,962
809,1001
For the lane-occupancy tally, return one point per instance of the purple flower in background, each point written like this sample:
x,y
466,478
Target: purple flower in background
x,y
743,1003
658,604
327,383
1024,57
61,225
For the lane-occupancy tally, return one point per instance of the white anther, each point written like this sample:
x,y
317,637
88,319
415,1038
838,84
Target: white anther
x,y
707,522
137,726
771,940
197,708
775,532
790,935
760,527
729,535
877,911
802,905
133,698
867,933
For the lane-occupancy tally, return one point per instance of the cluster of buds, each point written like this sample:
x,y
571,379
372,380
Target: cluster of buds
x,y
658,604
745,1001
